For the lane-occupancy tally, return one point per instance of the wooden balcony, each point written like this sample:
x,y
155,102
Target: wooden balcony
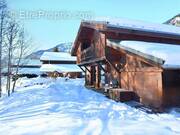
x,y
88,54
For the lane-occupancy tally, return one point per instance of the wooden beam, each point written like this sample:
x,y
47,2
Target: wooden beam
x,y
102,67
141,35
82,69
90,62
112,65
87,69
26,66
58,62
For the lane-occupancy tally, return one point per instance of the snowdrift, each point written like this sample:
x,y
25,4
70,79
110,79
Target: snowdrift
x,y
65,107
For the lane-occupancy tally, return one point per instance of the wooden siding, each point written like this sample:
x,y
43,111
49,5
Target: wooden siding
x,y
78,55
139,76
147,85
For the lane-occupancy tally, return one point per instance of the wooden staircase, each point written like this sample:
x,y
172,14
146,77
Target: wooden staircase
x,y
121,95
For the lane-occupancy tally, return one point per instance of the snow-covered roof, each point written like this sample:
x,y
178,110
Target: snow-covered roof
x,y
169,53
57,56
29,71
29,62
60,68
155,32
24,70
139,25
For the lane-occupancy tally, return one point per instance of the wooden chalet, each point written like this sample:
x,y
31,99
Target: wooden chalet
x,y
125,73
59,64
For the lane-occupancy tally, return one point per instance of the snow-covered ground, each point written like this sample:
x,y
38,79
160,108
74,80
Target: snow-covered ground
x,y
58,107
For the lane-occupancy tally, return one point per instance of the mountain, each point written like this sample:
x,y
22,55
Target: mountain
x,y
174,21
63,47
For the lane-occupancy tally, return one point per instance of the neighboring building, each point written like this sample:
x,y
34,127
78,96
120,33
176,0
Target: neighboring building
x,y
28,68
59,64
126,70
174,21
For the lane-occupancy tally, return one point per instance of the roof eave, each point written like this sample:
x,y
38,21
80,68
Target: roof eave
x,y
85,24
154,60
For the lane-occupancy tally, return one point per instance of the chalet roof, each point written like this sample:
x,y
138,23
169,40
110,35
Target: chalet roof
x,y
28,62
29,71
166,55
57,56
126,29
141,25
60,68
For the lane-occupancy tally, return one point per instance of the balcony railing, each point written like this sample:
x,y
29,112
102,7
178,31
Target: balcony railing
x,y
88,54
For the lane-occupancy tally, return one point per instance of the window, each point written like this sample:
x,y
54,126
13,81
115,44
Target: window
x,y
85,45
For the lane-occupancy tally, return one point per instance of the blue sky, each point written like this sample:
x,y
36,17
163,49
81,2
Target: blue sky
x,y
47,33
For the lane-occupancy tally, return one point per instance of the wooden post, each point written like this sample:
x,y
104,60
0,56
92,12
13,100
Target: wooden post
x,y
101,67
88,76
87,69
98,77
86,82
93,76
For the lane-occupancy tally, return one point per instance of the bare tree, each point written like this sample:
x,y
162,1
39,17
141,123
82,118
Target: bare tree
x,y
12,33
22,49
12,44
3,15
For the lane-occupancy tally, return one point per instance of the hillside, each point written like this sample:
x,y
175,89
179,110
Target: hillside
x,y
44,106
63,47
